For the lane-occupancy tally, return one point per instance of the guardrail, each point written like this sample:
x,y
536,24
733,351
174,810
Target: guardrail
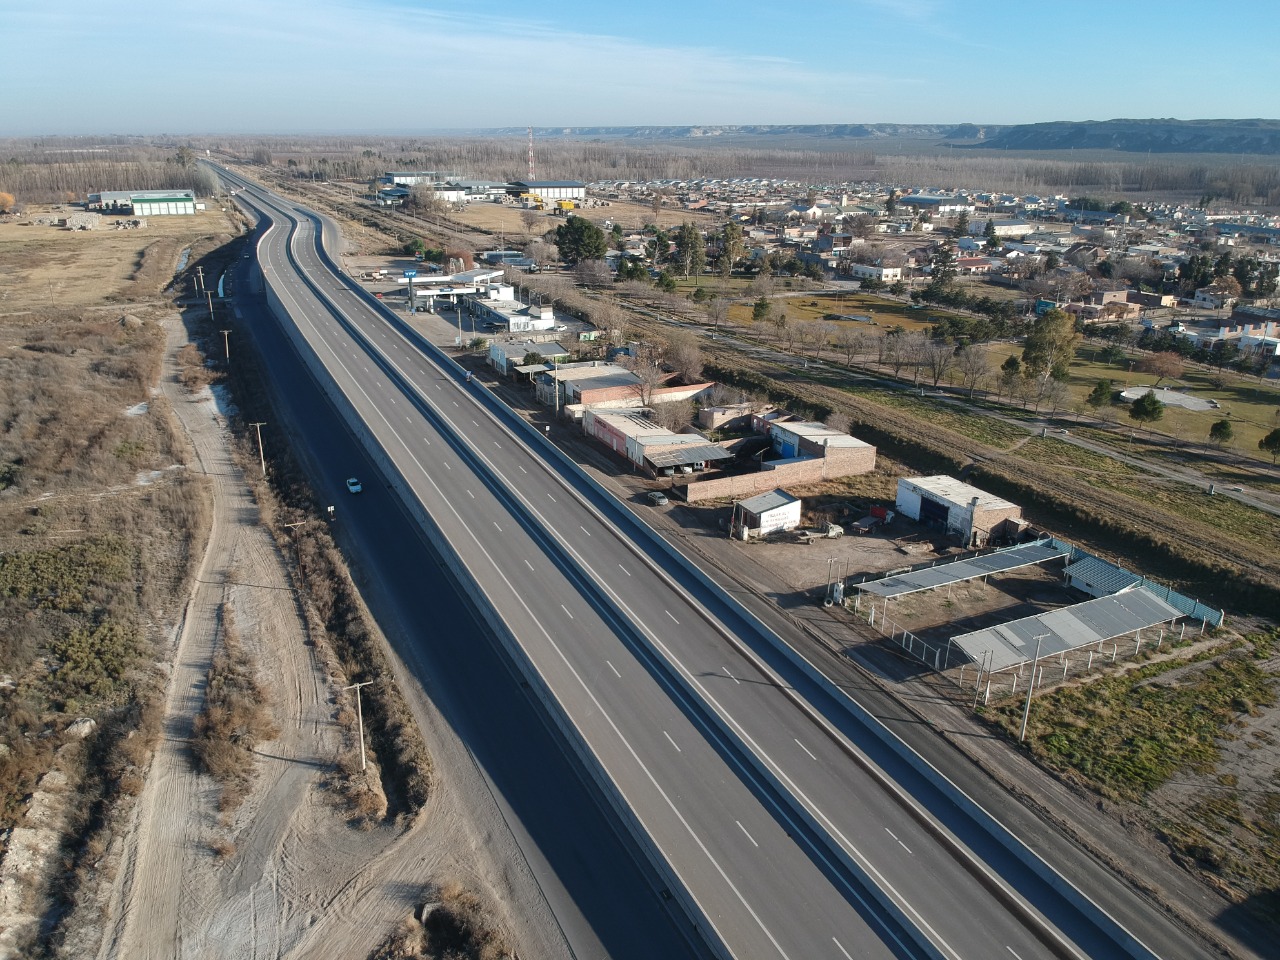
x,y
642,534
469,586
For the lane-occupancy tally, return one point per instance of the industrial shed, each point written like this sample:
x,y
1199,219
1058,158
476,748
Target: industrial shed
x,y
1057,632
549,189
144,203
973,515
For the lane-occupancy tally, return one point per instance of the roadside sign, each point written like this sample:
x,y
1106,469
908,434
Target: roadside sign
x,y
411,274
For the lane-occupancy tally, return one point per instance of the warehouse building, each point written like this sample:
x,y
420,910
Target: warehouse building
x,y
549,189
144,203
652,448
976,517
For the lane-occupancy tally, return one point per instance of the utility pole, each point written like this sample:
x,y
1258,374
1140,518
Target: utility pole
x,y
261,456
209,298
1031,685
297,550
200,275
360,716
226,341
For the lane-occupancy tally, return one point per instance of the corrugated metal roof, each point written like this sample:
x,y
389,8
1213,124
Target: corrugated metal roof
x,y
764,502
928,578
1103,576
1069,628
957,492
680,456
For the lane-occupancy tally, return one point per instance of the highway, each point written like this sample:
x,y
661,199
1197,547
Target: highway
x,y
793,835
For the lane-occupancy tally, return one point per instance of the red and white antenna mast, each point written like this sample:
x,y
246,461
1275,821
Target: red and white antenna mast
x,y
532,178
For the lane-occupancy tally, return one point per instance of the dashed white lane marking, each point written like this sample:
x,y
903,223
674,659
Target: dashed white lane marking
x,y
496,527
745,834
624,570
840,948
566,610
614,669
528,564
584,530
672,742
730,675
805,749
669,614
901,844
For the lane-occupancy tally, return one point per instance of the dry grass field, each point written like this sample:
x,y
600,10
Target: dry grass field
x,y
99,522
53,268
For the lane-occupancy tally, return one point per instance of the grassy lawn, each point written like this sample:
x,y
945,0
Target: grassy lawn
x,y
1253,408
995,433
1060,453
1127,735
885,312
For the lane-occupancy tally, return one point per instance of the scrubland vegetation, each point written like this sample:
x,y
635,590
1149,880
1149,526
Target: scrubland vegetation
x,y
236,717
450,925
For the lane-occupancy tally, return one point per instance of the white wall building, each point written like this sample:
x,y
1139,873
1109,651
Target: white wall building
x,y
973,515
867,271
766,513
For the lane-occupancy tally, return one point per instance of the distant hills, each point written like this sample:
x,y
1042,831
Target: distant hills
x,y
1144,136
1258,137
831,131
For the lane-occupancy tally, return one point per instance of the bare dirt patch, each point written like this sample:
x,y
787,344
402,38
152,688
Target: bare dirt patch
x,y
51,268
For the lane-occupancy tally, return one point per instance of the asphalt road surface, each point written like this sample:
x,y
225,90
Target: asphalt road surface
x,y
794,836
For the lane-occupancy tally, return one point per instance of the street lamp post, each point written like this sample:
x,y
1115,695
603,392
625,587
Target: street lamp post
x,y
360,716
262,459
1031,685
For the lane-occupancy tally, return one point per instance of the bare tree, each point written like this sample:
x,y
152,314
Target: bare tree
x,y
613,319
723,395
530,219
778,318
423,199
684,356
646,364
1056,395
594,274
937,356
763,284
912,350
804,333
1164,365
974,365
717,309
850,340
674,415
541,252
839,420
822,333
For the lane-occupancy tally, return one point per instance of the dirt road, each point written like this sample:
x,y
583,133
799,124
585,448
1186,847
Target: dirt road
x,y
301,882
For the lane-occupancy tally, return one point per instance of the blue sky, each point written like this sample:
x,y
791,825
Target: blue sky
x,y
408,66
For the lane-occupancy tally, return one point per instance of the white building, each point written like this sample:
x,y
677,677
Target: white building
x,y
973,515
867,271
145,203
1003,228
766,513
549,189
496,305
